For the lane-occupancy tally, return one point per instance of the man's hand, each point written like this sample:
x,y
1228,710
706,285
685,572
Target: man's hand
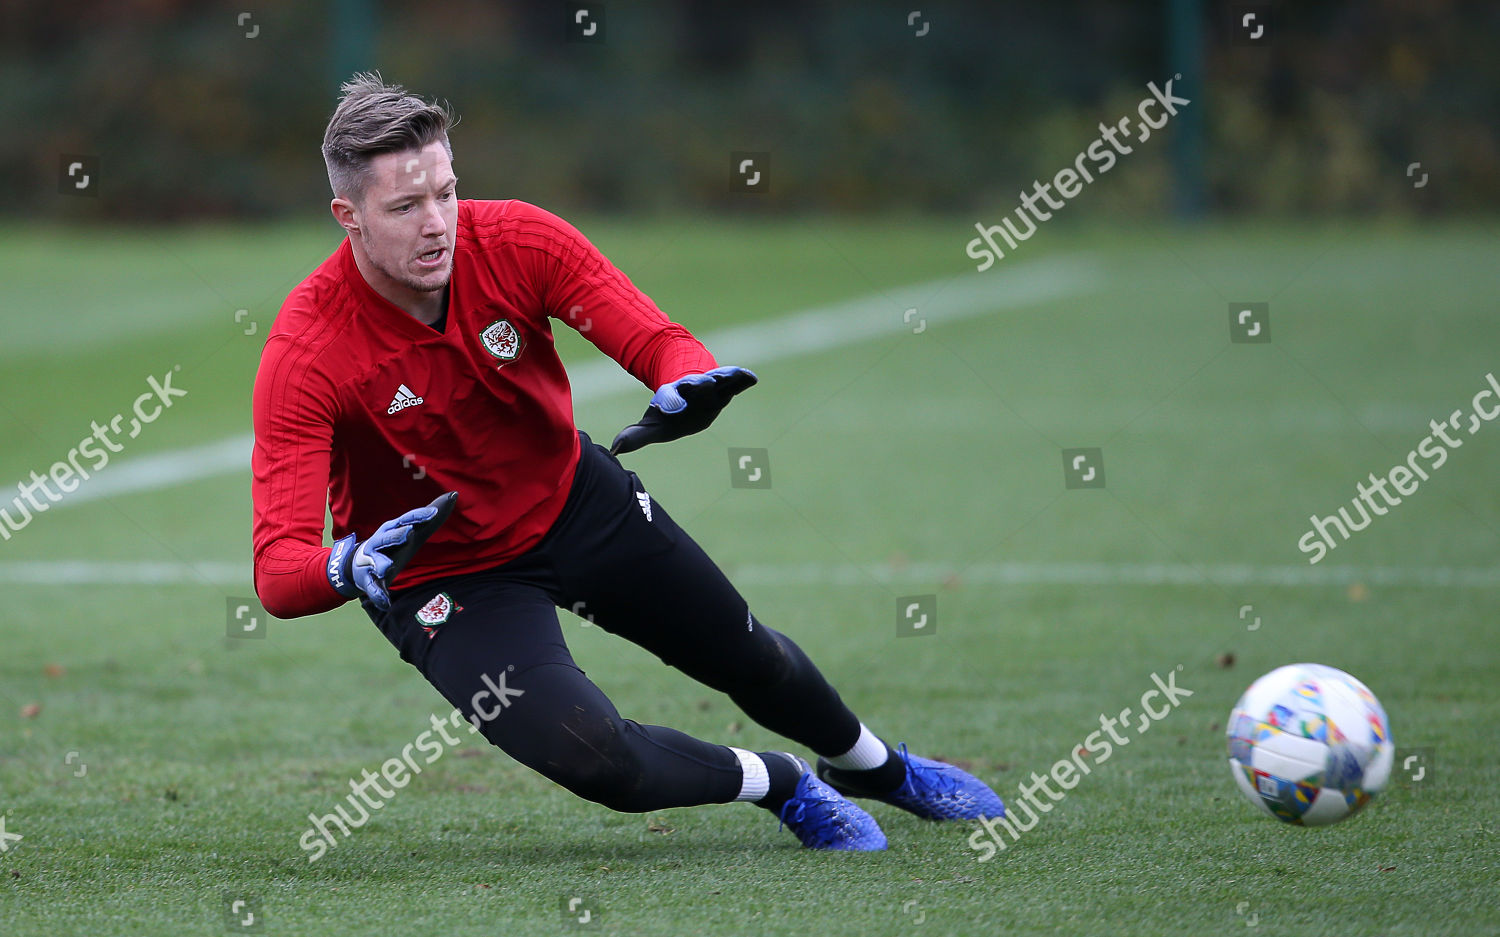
x,y
367,568
683,407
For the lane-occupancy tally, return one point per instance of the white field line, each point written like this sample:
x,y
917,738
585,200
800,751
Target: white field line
x,y
104,573
922,575
799,333
165,469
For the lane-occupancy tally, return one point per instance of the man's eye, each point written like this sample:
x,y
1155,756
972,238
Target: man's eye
x,y
448,194
403,209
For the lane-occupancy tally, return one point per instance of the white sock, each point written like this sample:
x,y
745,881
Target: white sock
x,y
869,752
757,780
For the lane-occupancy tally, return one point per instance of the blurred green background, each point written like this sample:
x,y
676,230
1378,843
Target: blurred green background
x,y
216,108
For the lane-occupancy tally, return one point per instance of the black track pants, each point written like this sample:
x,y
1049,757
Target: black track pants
x,y
490,642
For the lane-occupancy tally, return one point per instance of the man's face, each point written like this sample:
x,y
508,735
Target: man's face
x,y
408,217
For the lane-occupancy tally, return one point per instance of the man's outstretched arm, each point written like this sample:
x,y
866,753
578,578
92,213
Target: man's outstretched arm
x,y
580,286
293,421
295,574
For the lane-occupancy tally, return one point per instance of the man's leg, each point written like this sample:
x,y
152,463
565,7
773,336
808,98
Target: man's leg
x,y
647,580
639,575
500,659
491,644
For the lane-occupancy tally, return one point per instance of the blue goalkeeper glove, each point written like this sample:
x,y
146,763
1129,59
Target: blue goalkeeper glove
x,y
683,407
367,568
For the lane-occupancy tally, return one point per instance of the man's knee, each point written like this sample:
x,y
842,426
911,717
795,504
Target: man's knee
x,y
772,662
594,758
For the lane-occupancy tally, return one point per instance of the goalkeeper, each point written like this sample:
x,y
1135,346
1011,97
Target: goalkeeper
x,y
415,366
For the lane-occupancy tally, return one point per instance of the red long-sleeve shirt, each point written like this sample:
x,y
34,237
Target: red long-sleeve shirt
x,y
363,410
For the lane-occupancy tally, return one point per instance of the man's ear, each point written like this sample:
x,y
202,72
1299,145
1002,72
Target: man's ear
x,y
345,214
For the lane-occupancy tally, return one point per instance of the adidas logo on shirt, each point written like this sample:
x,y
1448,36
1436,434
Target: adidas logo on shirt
x,y
404,398
644,500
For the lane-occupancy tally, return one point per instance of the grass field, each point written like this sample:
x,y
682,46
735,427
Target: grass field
x,y
907,463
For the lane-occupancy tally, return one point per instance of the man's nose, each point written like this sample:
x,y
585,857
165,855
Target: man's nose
x,y
433,224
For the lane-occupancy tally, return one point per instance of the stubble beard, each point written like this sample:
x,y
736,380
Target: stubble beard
x,y
405,279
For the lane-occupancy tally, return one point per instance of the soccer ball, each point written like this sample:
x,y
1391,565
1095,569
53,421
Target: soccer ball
x,y
1309,744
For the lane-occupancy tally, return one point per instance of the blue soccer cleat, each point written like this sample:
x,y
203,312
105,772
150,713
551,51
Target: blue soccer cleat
x,y
822,818
933,790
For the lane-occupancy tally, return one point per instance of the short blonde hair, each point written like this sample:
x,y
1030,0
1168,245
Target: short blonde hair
x,y
371,118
